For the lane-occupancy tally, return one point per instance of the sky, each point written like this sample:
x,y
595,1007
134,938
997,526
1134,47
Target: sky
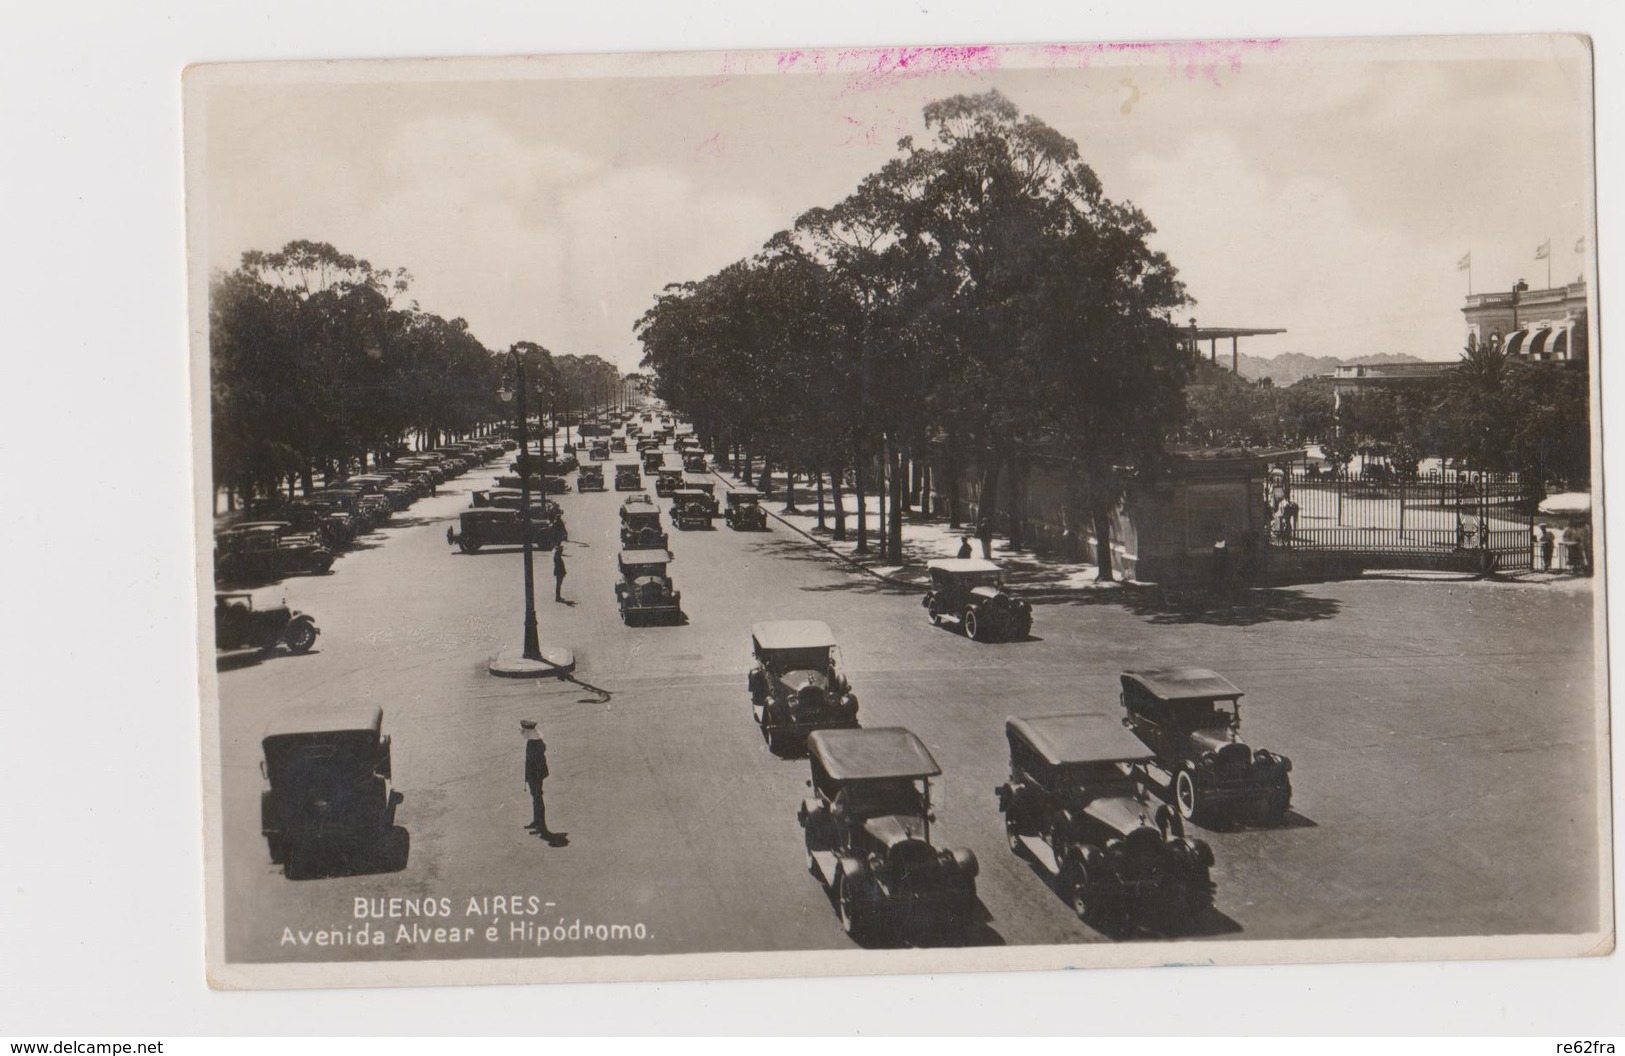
x,y
1328,188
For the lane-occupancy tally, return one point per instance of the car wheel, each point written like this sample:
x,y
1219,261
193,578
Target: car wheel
x,y
973,626
932,614
1079,890
467,547
301,636
1014,837
1186,797
775,740
296,860
854,915
273,844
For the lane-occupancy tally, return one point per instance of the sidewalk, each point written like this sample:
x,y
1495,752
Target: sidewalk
x,y
923,541
1035,574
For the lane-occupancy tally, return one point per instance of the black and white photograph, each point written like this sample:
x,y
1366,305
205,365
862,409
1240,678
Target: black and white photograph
x,y
778,513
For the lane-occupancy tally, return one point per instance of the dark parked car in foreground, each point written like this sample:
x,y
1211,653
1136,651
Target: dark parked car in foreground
x,y
246,625
495,526
868,831
971,591
327,788
1077,806
591,478
1190,719
667,481
645,593
797,685
627,478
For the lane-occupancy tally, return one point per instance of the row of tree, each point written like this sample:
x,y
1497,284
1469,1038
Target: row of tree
x,y
1492,412
318,360
978,295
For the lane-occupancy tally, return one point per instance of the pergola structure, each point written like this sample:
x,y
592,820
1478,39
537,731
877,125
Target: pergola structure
x,y
1191,338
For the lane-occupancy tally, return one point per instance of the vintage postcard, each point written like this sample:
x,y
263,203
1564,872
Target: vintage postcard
x,y
898,510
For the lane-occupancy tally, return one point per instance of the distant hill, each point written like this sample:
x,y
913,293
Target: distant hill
x,y
1289,367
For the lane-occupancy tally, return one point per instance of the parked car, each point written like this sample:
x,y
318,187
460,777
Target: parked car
x,y
241,626
515,482
327,787
694,461
617,445
744,512
555,486
261,551
1077,805
494,526
640,525
653,461
971,591
668,481
868,830
691,508
797,685
591,478
705,484
1190,719
627,478
599,451
645,593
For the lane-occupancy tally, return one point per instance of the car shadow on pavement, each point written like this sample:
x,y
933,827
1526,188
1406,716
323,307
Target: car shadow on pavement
x,y
934,931
1239,609
388,854
1290,820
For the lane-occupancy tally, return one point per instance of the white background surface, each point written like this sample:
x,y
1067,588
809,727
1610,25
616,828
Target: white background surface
x,y
101,923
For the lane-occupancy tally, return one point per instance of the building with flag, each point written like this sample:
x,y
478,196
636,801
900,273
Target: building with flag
x,y
1545,324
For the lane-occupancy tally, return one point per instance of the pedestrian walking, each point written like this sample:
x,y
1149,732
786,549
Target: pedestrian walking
x,y
535,775
558,572
964,547
1548,544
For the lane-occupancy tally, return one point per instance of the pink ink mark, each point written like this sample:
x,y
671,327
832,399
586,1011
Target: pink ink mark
x,y
710,146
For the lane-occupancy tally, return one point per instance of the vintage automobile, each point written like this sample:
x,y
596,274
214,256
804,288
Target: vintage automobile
x,y
627,478
645,593
868,830
1190,719
327,787
515,482
533,464
797,685
617,445
511,498
652,461
694,461
646,444
691,508
495,526
590,478
668,481
703,483
260,551
640,525
599,451
972,591
1077,805
744,512
242,627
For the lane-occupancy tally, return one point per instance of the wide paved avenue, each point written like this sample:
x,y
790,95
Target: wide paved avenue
x,y
1440,734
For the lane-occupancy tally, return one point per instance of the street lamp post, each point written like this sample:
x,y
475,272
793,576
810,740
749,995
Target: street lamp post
x,y
532,662
533,647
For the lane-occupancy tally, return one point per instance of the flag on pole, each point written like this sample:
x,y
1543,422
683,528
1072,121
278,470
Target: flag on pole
x,y
1465,262
1580,246
1544,250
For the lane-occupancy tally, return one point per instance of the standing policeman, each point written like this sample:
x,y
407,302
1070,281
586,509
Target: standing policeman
x,y
535,774
558,572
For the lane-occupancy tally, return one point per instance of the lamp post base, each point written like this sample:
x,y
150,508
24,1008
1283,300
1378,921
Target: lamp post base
x,y
555,663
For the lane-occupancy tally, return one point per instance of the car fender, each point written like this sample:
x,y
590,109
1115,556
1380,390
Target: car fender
x,y
300,618
854,867
965,862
